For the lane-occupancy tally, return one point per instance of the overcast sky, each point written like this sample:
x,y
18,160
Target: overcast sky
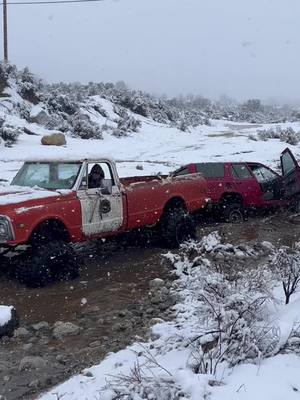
x,y
242,48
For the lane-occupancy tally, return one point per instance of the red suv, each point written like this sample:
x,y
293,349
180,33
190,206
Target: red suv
x,y
238,186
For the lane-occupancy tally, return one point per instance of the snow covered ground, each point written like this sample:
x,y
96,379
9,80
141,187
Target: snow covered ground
x,y
160,148
163,368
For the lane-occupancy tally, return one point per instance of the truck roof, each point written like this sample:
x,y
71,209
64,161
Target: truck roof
x,y
68,159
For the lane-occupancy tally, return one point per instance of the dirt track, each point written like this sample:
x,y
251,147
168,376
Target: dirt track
x,y
109,302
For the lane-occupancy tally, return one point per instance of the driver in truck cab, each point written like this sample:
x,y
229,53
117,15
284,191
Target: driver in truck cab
x,y
96,177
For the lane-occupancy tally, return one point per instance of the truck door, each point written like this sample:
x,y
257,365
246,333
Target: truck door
x,y
291,173
101,200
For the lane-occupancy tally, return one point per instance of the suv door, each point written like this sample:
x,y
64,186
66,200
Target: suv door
x,y
245,184
291,173
270,182
101,204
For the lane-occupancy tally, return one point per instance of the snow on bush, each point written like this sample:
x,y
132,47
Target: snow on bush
x,y
8,133
126,123
28,86
84,128
287,135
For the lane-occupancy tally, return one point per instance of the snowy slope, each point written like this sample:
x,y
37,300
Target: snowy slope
x,y
157,147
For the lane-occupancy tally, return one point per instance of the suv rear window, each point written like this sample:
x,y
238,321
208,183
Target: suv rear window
x,y
211,170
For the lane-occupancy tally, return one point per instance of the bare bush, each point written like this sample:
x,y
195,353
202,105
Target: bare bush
x,y
287,265
143,383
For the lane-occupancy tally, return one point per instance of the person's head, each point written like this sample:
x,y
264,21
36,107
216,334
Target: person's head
x,y
96,176
97,172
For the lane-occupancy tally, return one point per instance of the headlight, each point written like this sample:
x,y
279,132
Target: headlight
x,y
6,231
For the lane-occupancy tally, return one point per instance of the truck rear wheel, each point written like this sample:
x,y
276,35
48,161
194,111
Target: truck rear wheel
x,y
47,263
233,213
177,226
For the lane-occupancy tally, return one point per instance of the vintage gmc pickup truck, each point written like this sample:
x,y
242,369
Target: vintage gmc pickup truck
x,y
52,203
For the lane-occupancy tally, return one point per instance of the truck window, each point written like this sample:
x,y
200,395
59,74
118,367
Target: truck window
x,y
263,174
211,170
47,175
288,164
99,175
240,171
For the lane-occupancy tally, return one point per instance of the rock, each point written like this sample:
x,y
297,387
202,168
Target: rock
x,y
154,321
41,326
87,373
61,359
150,311
96,343
239,254
27,346
29,132
156,283
21,333
56,139
39,116
34,384
31,362
120,327
4,366
62,329
122,314
139,167
9,320
219,256
44,340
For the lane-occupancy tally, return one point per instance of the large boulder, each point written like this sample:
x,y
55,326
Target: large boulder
x,y
56,139
39,116
62,329
9,320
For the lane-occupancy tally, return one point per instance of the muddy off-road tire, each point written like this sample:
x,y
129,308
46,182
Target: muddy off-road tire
x,y
177,226
44,264
232,213
296,205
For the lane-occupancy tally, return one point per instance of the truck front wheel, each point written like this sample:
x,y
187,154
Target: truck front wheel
x,y
177,226
46,263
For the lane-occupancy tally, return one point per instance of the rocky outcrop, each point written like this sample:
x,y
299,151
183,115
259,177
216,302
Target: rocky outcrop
x,y
38,116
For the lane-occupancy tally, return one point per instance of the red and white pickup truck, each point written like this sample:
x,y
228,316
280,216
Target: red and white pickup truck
x,y
238,186
52,203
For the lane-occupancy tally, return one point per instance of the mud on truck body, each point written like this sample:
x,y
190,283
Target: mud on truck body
x,y
51,204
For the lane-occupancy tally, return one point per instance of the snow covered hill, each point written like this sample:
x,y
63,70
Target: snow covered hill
x,y
108,128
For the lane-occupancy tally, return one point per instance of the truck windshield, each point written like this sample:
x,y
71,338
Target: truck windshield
x,y
47,175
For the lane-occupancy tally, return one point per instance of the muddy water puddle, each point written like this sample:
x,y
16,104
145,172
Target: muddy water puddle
x,y
109,279
279,229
